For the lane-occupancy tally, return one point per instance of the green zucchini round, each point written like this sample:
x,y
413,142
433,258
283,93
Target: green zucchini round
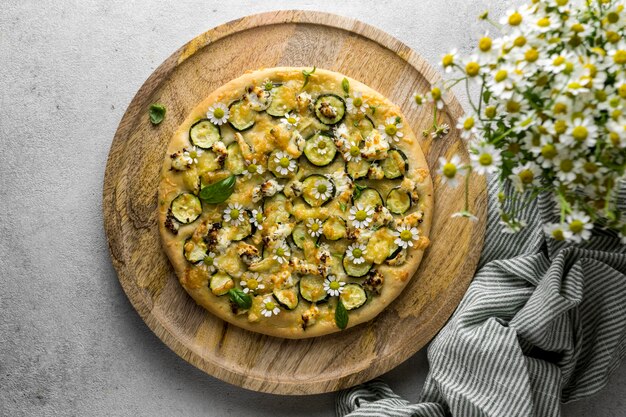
x,y
287,297
235,163
353,296
197,253
204,134
354,270
330,109
220,283
358,169
395,165
312,152
369,197
241,116
398,201
312,289
299,235
277,107
186,208
334,228
308,187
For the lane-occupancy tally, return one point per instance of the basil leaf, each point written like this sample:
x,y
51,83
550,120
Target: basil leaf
x,y
219,191
341,316
157,113
240,298
345,84
307,74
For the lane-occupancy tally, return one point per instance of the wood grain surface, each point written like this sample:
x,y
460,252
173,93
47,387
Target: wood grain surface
x,y
251,360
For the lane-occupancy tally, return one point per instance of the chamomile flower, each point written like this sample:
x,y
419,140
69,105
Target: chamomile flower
x,y
191,155
511,226
486,159
525,176
555,230
269,307
436,96
210,262
352,152
323,189
257,218
218,114
321,145
578,227
253,168
448,60
282,253
391,129
467,125
333,286
502,81
360,216
582,131
342,133
566,167
356,103
355,253
405,235
449,170
465,214
285,164
233,214
473,67
252,283
485,51
314,226
290,121
419,99
515,17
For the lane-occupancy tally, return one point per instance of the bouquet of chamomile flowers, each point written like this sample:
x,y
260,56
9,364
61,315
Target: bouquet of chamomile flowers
x,y
550,118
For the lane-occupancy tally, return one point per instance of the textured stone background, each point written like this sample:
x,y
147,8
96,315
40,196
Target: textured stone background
x,y
70,343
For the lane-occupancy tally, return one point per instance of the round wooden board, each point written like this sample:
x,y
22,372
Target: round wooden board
x,y
251,360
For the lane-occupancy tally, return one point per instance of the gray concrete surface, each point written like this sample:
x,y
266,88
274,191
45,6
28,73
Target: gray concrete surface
x,y
70,343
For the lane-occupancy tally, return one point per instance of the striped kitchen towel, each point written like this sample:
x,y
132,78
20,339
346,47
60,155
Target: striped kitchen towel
x,y
543,322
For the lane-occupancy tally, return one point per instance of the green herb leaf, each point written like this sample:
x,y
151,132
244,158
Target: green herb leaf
x,y
341,315
373,109
157,113
343,206
357,190
240,298
219,191
307,74
345,84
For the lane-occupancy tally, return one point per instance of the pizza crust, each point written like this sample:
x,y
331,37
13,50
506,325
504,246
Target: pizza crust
x,y
287,324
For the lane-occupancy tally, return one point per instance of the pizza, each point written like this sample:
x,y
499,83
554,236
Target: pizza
x,y
295,202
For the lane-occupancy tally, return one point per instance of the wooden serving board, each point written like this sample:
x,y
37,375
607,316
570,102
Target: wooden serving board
x,y
251,360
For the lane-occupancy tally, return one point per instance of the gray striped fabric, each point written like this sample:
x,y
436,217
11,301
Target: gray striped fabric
x,y
542,323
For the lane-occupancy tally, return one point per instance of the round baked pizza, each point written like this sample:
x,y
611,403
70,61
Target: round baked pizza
x,y
295,202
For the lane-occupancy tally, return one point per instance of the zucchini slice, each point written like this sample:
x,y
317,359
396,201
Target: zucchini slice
x,y
334,228
330,109
312,289
398,201
186,208
204,134
278,107
380,246
276,209
273,166
194,251
358,169
287,297
221,283
241,117
317,185
369,197
320,149
234,160
239,232
299,235
353,296
356,270
365,126
395,165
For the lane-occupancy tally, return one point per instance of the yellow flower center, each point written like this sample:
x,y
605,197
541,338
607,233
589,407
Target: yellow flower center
x,y
358,101
548,151
284,162
218,113
590,167
614,138
620,57
234,214
515,19
600,95
252,283
557,234
485,159
447,60
449,170
360,215
612,37
436,93
468,123
419,99
252,168
567,165
560,126
531,55
490,112
560,108
501,75
315,227
259,217
334,285
291,120
577,27
561,2
321,144
354,150
484,44
513,106
519,41
391,129
270,306
543,22
193,154
612,17
622,91
208,260
569,68
322,188
526,176
472,68
280,251
576,226
406,235
559,60
580,133
357,252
